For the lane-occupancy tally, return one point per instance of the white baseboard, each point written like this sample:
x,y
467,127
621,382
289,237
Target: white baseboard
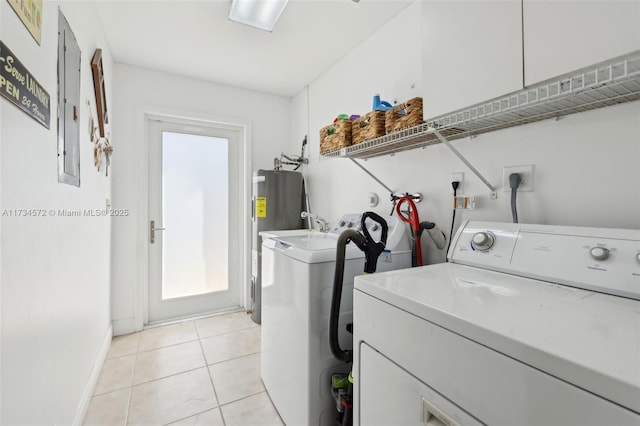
x,y
93,378
125,326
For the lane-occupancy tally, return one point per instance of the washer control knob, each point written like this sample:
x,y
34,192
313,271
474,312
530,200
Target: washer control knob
x,y
600,253
349,224
482,241
341,224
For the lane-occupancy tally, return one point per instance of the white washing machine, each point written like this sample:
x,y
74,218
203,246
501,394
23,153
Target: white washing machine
x,y
526,325
297,285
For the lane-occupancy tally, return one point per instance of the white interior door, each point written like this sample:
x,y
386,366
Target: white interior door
x,y
194,220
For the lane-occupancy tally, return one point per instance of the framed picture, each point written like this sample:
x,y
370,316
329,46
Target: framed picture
x,y
30,13
98,86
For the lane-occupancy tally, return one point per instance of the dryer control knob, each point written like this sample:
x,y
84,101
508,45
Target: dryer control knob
x,y
341,224
600,253
375,227
349,224
482,241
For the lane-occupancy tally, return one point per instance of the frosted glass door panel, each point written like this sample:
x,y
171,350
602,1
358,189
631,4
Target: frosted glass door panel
x,y
194,208
195,214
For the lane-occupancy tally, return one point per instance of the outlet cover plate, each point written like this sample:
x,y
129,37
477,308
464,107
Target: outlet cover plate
x,y
458,176
526,171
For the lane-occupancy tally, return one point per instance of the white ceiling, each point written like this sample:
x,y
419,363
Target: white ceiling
x,y
196,39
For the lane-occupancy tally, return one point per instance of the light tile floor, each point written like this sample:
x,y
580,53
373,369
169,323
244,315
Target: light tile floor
x,y
201,372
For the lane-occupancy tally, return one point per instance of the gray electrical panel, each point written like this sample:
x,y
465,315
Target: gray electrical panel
x,y
68,104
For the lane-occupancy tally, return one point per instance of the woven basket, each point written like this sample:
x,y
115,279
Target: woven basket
x,y
369,126
335,136
402,116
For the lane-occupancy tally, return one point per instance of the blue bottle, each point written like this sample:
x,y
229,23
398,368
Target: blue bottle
x,y
379,105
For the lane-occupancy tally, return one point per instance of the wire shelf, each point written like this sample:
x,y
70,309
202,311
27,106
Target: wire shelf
x,y
608,83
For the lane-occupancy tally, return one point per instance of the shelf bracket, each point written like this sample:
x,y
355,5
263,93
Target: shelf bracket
x,y
494,193
371,174
392,197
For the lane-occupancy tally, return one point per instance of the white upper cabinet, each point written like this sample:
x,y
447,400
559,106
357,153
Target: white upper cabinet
x,y
472,52
561,36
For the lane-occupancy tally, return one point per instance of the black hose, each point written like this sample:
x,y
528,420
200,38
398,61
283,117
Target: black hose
x,y
414,252
453,218
371,248
514,209
343,240
514,182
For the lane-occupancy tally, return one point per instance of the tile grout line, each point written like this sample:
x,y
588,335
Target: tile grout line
x,y
111,391
196,339
167,346
171,375
258,331
116,389
226,332
204,356
245,397
206,365
189,416
214,390
194,318
233,359
133,376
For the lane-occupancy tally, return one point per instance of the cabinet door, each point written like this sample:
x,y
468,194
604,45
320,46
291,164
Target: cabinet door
x,y
565,35
472,52
389,395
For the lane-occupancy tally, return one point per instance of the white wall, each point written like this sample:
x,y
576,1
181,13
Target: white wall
x,y
337,186
55,270
144,90
586,165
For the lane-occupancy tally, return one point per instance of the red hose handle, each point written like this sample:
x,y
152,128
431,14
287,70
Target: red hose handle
x,y
414,222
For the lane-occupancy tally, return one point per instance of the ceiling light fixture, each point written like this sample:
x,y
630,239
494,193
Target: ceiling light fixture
x,y
261,14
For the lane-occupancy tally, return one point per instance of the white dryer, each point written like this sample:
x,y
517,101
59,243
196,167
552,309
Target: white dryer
x,y
297,285
525,325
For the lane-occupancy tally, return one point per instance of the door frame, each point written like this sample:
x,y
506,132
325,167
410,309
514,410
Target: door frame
x,y
144,115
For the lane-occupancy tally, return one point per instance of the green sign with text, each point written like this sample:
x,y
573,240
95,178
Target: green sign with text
x,y
20,88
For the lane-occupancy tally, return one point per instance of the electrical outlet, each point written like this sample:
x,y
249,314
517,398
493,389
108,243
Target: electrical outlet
x,y
525,171
458,176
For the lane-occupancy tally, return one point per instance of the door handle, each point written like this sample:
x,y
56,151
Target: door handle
x,y
152,231
434,416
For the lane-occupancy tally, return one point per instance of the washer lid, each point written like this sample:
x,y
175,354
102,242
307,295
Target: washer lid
x,y
313,248
586,338
287,233
311,242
